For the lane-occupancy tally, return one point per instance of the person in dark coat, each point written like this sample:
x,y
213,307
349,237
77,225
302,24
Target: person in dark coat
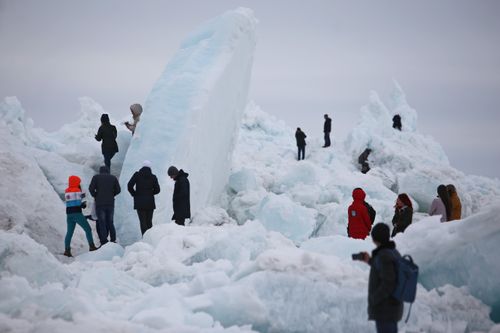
x,y
143,186
327,128
363,160
180,198
396,122
104,187
403,214
301,142
382,307
107,134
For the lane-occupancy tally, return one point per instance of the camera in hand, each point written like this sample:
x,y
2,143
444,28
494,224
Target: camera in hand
x,y
358,256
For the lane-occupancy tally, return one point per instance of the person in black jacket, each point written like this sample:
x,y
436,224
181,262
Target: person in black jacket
x,y
396,122
301,142
382,307
107,134
327,128
180,198
403,214
146,187
363,160
104,187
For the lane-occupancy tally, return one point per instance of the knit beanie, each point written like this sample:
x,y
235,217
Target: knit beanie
x,y
172,171
381,233
146,163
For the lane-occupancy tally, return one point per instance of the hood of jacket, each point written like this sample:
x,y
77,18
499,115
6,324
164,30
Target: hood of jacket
x,y
104,119
73,184
182,174
146,171
103,170
358,194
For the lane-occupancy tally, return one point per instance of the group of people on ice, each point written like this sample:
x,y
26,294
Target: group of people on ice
x,y
104,187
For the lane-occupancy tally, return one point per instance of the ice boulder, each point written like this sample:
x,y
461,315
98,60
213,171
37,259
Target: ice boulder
x,y
192,115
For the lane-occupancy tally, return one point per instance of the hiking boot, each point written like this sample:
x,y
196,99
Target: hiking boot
x,y
92,247
67,253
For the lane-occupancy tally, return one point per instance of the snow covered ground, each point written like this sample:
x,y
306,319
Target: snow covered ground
x,y
268,255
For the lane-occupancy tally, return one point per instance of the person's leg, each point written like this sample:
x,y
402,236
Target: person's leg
x,y
180,221
70,221
298,153
110,211
149,220
386,326
142,220
327,139
304,152
101,225
82,222
107,159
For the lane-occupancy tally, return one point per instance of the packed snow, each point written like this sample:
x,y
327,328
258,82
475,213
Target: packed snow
x,y
267,249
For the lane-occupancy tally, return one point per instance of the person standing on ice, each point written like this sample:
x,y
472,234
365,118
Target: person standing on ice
x,y
180,198
403,214
75,202
136,110
107,134
301,143
143,186
327,128
441,204
382,307
456,204
359,221
396,122
104,187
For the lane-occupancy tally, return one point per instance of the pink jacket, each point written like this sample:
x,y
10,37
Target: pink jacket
x,y
438,208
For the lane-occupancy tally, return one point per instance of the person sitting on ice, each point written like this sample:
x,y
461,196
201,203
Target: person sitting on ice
x,y
396,122
403,214
143,186
75,202
363,160
136,110
359,221
107,134
301,142
180,197
441,204
456,205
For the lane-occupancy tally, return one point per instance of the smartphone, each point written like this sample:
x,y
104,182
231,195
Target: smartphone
x,y
358,256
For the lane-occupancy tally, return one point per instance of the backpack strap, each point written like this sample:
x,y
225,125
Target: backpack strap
x,y
409,311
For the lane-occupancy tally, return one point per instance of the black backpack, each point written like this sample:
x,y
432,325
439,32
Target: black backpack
x,y
371,212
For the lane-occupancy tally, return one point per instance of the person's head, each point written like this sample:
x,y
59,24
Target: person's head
x,y
104,118
326,116
298,129
74,181
172,172
445,198
136,109
380,234
451,189
358,194
103,170
403,200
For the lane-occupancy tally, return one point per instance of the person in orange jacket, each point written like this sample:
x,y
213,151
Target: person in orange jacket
x,y
359,222
456,204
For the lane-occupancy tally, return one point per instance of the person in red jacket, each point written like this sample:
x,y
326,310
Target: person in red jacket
x,y
359,224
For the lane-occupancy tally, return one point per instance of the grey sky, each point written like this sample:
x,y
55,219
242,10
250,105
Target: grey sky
x,y
312,57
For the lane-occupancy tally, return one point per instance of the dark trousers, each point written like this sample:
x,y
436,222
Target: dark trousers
x,y
107,158
327,139
180,221
105,224
146,219
386,326
303,150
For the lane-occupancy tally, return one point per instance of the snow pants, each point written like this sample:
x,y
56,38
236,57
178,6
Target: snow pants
x,y
301,149
72,220
327,139
386,326
107,159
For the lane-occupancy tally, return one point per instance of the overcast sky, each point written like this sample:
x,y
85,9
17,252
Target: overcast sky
x,y
312,57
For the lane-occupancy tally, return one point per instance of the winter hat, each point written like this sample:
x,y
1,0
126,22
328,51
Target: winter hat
x,y
381,233
105,118
172,171
146,163
136,109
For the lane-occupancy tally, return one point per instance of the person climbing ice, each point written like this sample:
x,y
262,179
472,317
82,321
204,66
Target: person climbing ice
x,y
180,197
363,160
75,201
107,134
396,122
136,110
